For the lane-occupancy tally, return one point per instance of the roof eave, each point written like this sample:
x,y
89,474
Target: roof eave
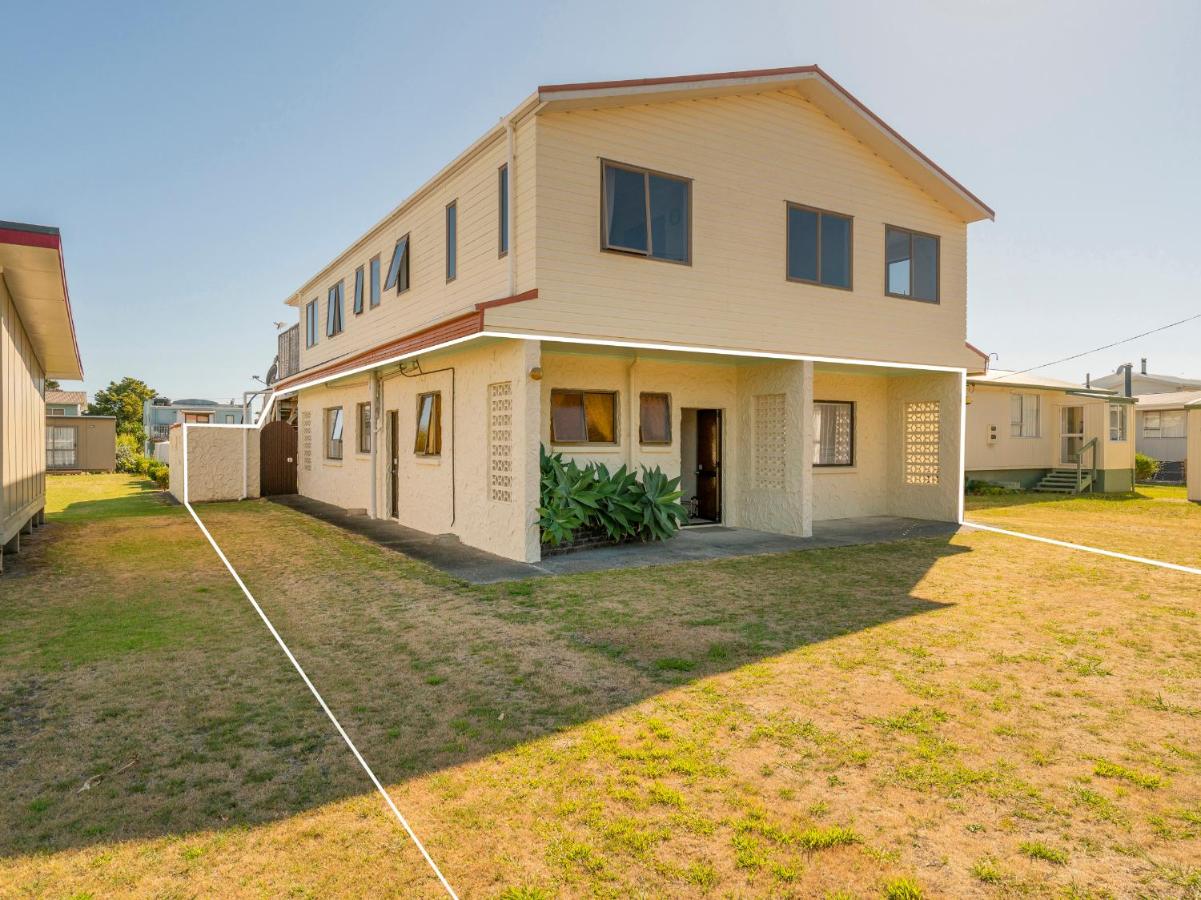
x,y
812,83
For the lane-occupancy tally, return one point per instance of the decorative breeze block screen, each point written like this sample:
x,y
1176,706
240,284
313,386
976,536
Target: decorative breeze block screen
x,y
306,439
921,442
500,441
769,441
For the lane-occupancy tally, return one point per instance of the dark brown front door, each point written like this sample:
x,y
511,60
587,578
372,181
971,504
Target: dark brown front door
x,y
708,464
393,463
277,459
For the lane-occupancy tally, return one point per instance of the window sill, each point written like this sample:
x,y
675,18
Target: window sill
x,y
332,462
914,299
657,448
586,448
428,460
835,470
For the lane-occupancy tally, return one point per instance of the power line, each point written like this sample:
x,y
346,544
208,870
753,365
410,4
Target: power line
x,y
1107,346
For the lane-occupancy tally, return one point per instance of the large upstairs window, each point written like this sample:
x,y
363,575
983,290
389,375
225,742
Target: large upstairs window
x,y
819,247
912,264
333,315
646,213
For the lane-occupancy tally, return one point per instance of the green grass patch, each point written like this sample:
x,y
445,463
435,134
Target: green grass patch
x,y
1045,852
1107,769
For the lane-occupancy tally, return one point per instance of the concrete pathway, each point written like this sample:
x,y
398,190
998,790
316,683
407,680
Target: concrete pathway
x,y
447,553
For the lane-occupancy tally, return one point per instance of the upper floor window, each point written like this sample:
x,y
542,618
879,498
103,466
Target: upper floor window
x,y
833,433
373,266
229,419
912,261
310,323
646,212
1024,415
398,269
56,411
819,247
503,210
583,417
1168,423
429,425
1117,421
333,313
452,240
358,290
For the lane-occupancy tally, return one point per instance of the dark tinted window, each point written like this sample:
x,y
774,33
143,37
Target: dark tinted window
x,y
333,311
912,261
452,241
669,218
503,210
819,247
398,269
375,292
358,290
625,209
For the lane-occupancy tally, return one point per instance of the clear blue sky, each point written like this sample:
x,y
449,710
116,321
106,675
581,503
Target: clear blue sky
x,y
203,160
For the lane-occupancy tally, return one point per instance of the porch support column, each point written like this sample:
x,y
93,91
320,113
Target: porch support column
x,y
527,436
805,455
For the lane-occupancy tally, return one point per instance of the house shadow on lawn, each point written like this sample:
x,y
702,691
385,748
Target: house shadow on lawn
x,y
424,673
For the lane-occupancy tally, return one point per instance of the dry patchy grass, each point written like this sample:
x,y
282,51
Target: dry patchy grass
x,y
1156,522
923,718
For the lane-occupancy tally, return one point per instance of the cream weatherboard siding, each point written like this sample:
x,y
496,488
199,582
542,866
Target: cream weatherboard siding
x,y
747,157
482,274
22,423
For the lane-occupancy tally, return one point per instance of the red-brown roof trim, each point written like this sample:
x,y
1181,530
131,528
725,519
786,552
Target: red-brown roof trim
x,y
458,327
531,294
677,79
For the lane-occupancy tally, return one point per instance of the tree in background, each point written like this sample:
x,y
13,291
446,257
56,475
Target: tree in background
x,y
124,399
52,385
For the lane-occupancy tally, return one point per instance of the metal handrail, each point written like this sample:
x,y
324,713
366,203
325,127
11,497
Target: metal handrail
x,y
1091,444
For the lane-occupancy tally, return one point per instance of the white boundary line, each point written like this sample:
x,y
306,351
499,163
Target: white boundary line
x,y
309,684
1175,567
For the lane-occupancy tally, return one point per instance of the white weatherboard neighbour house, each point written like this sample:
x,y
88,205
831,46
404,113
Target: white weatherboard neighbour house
x,y
1027,430
747,279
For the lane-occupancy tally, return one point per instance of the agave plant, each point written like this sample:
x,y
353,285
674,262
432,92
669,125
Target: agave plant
x,y
573,497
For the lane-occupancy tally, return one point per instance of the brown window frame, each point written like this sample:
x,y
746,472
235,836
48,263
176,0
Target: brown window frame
x,y
845,465
331,413
641,421
937,264
421,443
452,272
615,406
850,286
606,247
198,418
364,409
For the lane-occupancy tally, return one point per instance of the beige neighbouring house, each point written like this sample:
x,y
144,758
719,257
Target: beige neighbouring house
x,y
1027,431
1193,465
37,341
747,279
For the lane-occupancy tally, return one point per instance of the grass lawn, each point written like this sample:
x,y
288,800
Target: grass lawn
x,y
978,716
1156,521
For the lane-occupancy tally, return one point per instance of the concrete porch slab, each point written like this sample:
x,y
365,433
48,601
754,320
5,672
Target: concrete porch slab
x,y
446,553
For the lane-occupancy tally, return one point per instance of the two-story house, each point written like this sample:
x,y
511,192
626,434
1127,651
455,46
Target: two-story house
x,y
160,413
747,279
37,341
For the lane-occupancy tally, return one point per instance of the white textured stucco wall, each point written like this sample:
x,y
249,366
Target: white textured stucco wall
x,y
861,489
939,501
451,493
214,467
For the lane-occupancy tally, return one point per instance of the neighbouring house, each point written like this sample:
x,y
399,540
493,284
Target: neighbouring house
x,y
1037,433
745,279
66,403
76,441
159,414
1193,463
1161,429
37,341
1143,382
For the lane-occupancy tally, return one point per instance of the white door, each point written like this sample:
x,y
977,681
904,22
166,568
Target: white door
x,y
1071,433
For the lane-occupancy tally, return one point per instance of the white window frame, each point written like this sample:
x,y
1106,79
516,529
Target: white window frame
x,y
1124,430
1160,429
335,427
1019,424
